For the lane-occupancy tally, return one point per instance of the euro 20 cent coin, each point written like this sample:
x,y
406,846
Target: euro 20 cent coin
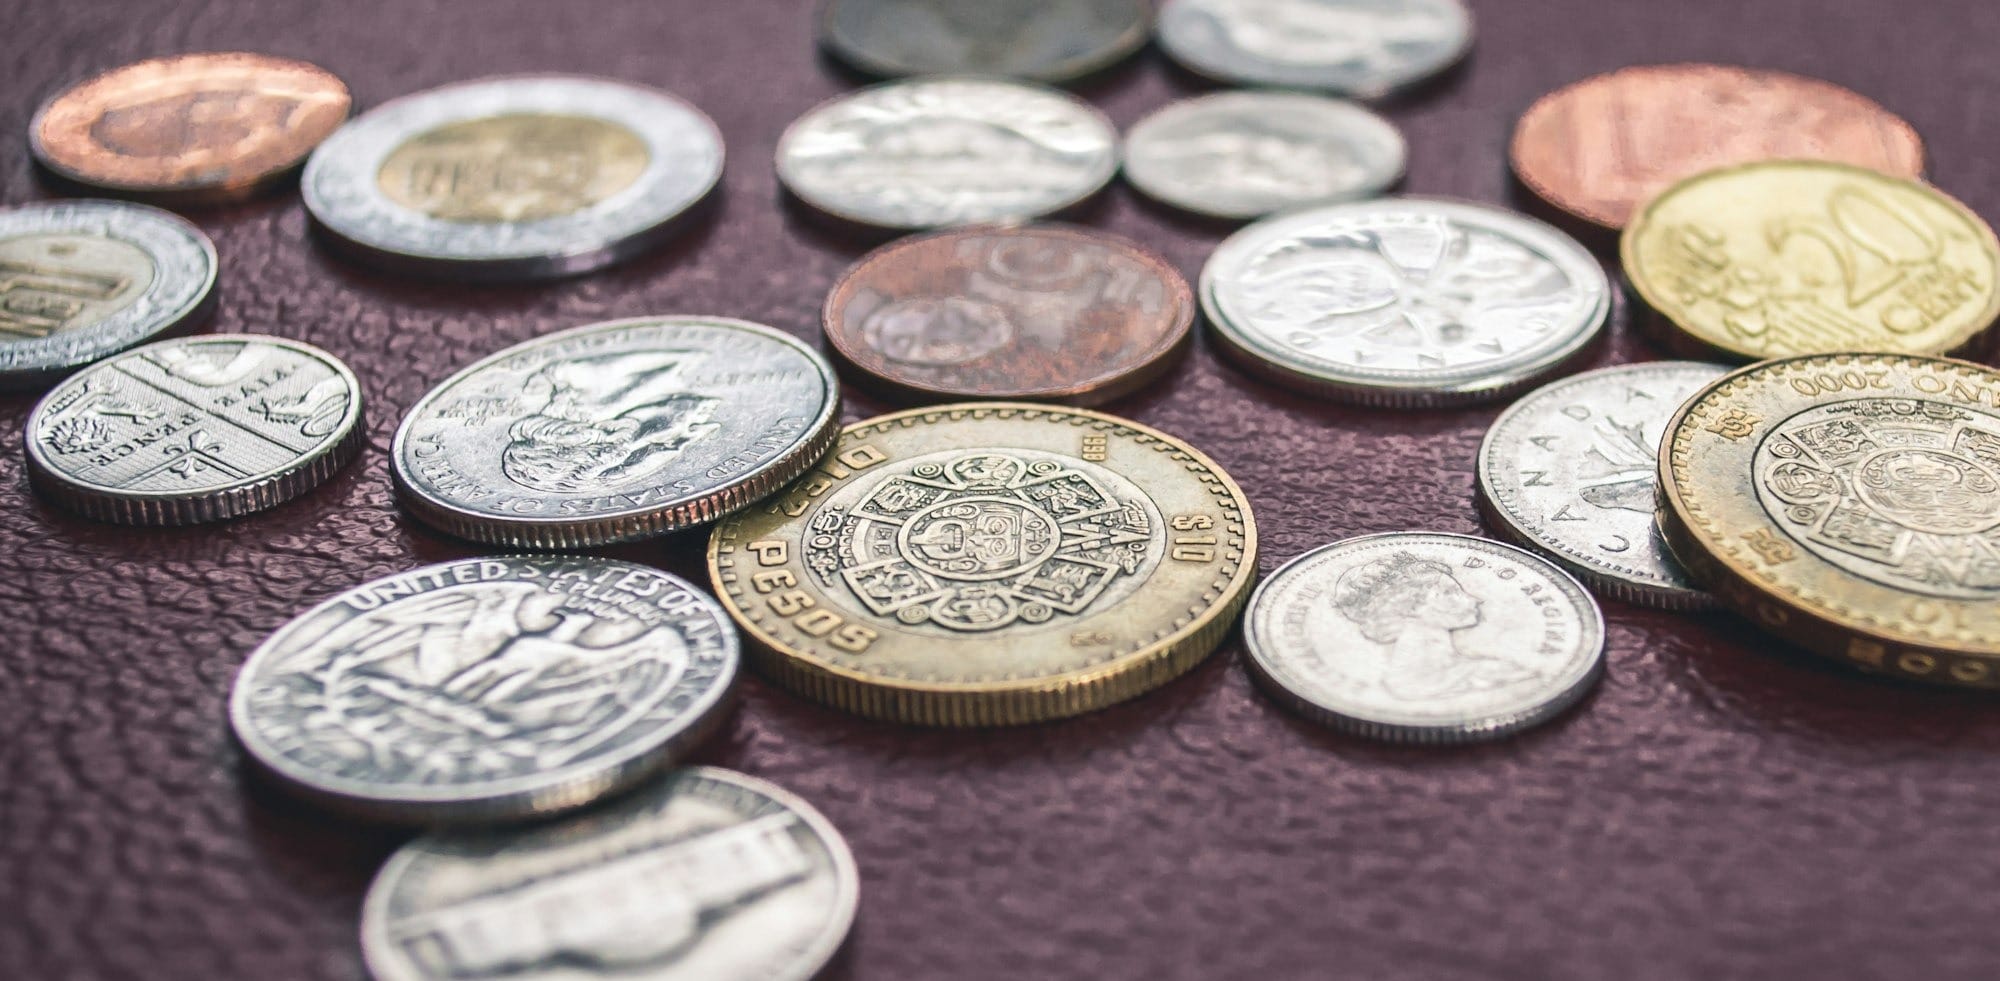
x,y
1242,155
1045,40
1359,48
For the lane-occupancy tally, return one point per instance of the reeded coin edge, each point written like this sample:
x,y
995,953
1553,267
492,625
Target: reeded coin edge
x,y
1068,69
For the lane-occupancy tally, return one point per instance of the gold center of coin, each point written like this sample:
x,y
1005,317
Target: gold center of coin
x,y
54,283
523,167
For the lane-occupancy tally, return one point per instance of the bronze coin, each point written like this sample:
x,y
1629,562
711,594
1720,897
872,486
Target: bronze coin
x,y
1599,148
1042,312
190,129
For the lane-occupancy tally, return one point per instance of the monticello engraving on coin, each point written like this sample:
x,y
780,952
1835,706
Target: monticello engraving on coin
x,y
1361,48
1239,155
1046,40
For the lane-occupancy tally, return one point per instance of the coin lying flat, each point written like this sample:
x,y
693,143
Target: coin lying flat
x,y
1571,471
1806,257
930,152
1242,155
989,564
1424,637
523,176
615,431
1362,48
1047,40
195,429
1403,301
486,688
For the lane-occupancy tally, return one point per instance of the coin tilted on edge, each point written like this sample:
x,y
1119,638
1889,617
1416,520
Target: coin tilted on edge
x,y
1424,637
1404,301
989,564
521,176
703,875
1849,503
1571,470
195,429
1788,257
1037,312
1046,40
1360,48
486,688
615,431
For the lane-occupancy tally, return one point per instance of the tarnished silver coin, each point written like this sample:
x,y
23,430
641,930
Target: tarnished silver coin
x,y
1424,637
82,280
1572,470
615,431
1404,301
1046,40
524,176
487,689
1360,48
930,152
1246,154
195,429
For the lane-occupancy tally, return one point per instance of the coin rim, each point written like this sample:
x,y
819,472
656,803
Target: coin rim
x,y
855,56
1380,88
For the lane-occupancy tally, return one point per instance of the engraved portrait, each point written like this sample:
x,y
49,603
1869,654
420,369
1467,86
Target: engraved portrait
x,y
605,422
202,125
514,168
1414,609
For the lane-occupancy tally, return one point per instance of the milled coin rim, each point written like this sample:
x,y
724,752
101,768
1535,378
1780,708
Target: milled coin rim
x,y
1069,69
1379,86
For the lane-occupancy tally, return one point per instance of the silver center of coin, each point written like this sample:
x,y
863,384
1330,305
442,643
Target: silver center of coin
x,y
1363,48
1246,154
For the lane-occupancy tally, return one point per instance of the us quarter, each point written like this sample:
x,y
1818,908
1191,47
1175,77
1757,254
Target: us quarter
x,y
1361,48
1238,155
615,431
195,429
1404,301
1047,40
1424,637
527,176
486,688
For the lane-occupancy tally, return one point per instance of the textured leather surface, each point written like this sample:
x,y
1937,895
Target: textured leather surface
x,y
1721,808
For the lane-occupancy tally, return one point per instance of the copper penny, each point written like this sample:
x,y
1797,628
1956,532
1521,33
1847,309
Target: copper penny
x,y
1599,148
190,129
1032,312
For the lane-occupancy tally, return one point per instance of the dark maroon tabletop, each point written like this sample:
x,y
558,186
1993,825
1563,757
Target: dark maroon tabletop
x,y
1722,807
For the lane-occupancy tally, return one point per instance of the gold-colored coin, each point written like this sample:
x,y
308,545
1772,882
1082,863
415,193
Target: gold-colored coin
x,y
1849,503
1790,257
988,564
517,167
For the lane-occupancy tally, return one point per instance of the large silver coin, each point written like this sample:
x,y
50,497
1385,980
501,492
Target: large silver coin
x,y
82,280
1422,637
1404,301
1572,470
615,431
544,175
487,688
195,429
1047,40
1243,155
1360,48
930,152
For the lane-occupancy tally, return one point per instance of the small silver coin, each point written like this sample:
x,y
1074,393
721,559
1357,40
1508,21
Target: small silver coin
x,y
615,431
487,689
1240,155
1404,301
1046,40
1572,470
195,429
931,152
527,176
1359,48
83,280
1424,637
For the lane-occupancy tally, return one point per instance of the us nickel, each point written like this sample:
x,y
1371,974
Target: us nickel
x,y
1242,155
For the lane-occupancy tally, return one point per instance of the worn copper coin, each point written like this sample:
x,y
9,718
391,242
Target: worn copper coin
x,y
1037,312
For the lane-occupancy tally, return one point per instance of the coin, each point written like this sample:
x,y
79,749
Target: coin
x,y
1047,40
1239,155
1599,148
192,128
523,176
1779,258
1849,503
1571,471
704,875
195,429
989,564
1361,48
1403,301
487,688
1040,312
1424,637
615,431
81,280
929,152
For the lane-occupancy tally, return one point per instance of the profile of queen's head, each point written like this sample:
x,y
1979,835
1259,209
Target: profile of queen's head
x,y
1416,610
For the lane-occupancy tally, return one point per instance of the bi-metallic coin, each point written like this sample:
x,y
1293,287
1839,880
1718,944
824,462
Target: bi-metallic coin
x,y
1360,48
1045,40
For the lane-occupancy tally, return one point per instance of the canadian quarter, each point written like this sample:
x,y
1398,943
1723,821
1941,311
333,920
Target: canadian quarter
x,y
1360,48
1241,155
1045,40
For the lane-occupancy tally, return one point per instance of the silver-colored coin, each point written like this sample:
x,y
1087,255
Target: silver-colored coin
x,y
930,152
83,280
1359,48
487,688
195,429
615,431
1424,637
527,176
1404,301
1572,469
1046,40
1242,155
